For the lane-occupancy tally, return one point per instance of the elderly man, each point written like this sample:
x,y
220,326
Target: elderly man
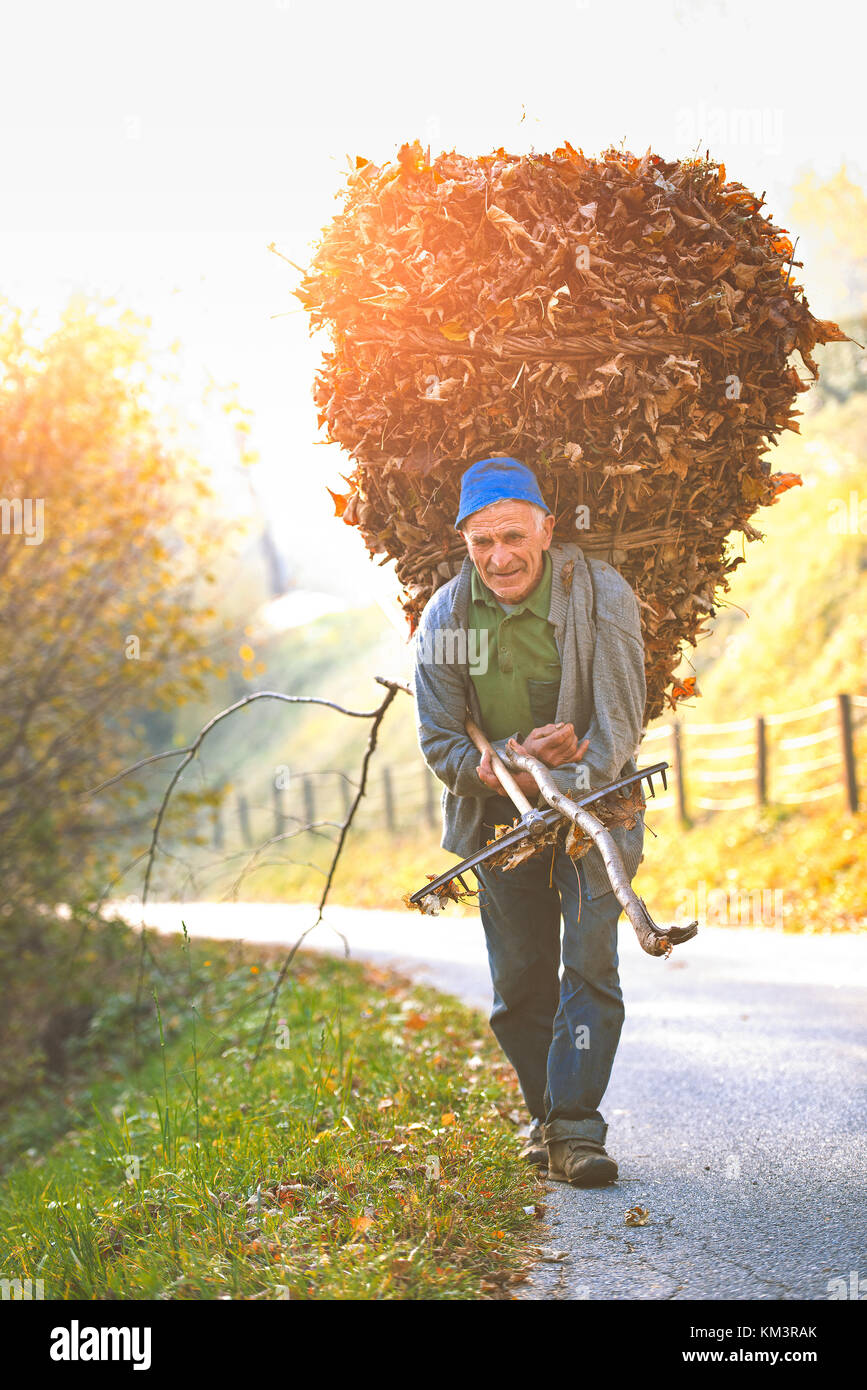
x,y
538,642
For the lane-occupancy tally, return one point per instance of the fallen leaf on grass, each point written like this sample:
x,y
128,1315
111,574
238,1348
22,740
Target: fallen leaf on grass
x,y
416,1021
289,1193
272,1248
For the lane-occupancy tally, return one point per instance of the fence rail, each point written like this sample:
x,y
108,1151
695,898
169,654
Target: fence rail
x,y
407,794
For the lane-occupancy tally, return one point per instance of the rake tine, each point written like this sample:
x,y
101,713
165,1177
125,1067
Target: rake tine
x,y
664,780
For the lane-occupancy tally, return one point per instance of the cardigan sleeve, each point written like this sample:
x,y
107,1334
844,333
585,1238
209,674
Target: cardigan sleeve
x,y
441,688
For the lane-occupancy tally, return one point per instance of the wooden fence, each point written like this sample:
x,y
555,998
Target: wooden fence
x,y
713,767
760,753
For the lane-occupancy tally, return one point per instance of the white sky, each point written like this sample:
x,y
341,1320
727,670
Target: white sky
x,y
152,150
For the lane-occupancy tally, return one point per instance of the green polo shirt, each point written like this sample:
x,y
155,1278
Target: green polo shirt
x,y
519,690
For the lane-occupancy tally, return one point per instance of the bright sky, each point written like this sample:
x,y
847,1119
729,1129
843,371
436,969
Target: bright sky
x,y
152,150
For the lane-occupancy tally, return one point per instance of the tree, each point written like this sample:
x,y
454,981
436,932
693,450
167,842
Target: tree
x,y
107,537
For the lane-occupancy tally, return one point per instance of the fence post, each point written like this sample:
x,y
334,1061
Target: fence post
x,y
244,819
219,839
844,703
761,761
279,809
309,800
389,798
677,754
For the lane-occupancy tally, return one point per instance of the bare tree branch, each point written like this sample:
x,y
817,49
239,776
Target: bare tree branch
x,y
187,755
191,750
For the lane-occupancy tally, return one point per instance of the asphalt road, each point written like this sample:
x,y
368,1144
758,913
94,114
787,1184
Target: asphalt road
x,y
737,1107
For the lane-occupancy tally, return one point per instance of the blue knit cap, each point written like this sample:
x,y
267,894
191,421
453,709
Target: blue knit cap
x,y
497,480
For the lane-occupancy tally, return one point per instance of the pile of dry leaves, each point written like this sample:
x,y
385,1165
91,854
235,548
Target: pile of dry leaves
x,y
623,325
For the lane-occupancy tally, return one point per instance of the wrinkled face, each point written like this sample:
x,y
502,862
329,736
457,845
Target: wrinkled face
x,y
507,543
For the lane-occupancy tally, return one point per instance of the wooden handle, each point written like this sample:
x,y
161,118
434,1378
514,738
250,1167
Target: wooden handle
x,y
504,776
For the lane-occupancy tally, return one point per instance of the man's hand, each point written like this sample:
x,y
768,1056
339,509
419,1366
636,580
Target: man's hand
x,y
555,744
525,780
551,744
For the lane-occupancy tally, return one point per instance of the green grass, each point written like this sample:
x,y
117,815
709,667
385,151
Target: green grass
x,y
368,1154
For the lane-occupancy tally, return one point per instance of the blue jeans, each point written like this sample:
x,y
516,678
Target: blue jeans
x,y
559,1035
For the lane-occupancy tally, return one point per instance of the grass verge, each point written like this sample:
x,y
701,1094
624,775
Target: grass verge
x,y
370,1153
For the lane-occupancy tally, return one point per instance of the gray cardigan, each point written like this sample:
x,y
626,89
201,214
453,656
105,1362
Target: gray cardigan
x,y
602,692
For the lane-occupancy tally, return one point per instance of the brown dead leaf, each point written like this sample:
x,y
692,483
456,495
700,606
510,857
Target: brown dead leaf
x,y
415,1022
637,1216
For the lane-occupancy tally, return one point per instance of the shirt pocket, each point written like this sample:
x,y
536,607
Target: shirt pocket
x,y
544,696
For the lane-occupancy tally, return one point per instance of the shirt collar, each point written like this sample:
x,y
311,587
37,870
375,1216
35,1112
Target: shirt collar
x,y
538,601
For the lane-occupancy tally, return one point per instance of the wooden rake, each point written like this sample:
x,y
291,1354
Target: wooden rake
x,y
655,940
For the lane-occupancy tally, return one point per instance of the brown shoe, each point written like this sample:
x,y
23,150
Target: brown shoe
x,y
535,1149
581,1162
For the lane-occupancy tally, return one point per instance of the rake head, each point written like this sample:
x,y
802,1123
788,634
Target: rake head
x,y
433,897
